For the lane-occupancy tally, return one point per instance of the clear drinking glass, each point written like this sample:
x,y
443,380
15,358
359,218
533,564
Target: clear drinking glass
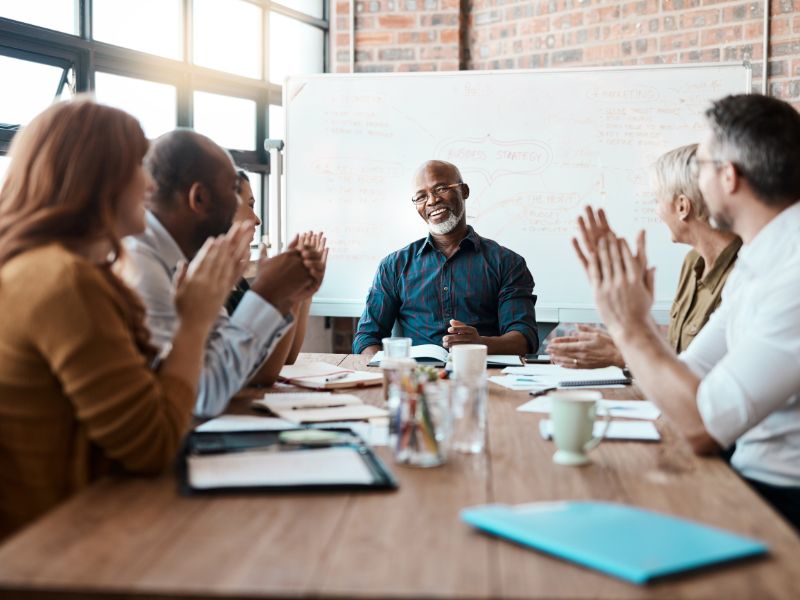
x,y
467,399
396,347
420,425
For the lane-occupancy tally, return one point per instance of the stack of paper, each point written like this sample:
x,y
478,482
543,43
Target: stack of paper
x,y
538,377
319,407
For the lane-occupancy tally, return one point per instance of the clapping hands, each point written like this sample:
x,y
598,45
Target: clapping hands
x,y
622,281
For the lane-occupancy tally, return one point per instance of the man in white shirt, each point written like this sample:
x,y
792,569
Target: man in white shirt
x,y
739,382
196,196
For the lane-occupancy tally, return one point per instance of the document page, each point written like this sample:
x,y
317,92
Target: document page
x,y
341,465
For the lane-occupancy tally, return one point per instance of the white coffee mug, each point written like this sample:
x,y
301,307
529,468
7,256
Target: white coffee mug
x,y
573,416
469,360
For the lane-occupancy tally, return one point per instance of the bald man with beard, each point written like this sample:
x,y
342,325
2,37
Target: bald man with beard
x,y
453,286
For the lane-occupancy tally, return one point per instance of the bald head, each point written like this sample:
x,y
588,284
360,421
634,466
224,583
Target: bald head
x,y
441,168
181,158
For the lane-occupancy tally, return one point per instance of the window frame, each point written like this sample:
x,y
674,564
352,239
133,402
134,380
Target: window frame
x,y
88,56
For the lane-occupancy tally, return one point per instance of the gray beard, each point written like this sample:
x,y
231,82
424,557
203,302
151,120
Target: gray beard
x,y
447,225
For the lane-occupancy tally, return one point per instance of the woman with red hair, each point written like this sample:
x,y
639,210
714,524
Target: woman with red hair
x,y
79,390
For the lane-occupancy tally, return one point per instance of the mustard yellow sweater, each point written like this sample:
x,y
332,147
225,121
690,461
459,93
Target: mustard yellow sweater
x,y
76,395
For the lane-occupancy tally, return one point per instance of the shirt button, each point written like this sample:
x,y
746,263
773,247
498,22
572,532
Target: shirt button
x,y
445,288
692,329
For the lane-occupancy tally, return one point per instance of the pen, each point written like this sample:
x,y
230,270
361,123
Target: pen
x,y
336,376
542,392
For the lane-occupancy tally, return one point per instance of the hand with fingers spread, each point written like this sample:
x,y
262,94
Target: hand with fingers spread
x,y
587,348
623,285
461,333
202,286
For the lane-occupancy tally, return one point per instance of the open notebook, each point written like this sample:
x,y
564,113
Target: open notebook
x,y
431,354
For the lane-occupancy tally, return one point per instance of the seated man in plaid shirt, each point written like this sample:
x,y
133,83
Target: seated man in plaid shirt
x,y
454,286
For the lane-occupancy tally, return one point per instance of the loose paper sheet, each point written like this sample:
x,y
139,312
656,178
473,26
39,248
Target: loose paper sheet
x,y
628,409
244,423
617,430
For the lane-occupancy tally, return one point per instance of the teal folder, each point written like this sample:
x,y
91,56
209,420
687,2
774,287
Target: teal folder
x,y
627,542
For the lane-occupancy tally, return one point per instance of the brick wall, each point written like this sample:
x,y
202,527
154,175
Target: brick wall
x,y
405,35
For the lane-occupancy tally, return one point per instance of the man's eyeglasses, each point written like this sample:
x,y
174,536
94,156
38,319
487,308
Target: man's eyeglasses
x,y
437,191
695,164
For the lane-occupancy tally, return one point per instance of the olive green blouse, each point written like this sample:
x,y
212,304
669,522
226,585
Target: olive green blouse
x,y
697,298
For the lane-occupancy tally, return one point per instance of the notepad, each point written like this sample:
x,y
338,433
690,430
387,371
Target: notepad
x,y
630,543
278,402
353,412
324,376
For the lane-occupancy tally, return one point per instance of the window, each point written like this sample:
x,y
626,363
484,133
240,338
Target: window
x,y
312,8
153,26
286,32
35,87
150,102
231,122
52,14
215,65
227,36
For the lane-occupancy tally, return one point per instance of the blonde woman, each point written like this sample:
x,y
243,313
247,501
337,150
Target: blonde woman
x,y
703,274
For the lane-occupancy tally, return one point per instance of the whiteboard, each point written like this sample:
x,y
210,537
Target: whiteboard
x,y
533,146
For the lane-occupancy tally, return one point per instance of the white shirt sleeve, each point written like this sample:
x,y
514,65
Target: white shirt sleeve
x,y
759,375
709,346
237,346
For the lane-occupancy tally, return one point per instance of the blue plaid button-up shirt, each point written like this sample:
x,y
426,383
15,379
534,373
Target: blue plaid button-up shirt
x,y
483,284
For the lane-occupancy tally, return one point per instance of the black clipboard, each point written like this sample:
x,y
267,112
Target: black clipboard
x,y
209,443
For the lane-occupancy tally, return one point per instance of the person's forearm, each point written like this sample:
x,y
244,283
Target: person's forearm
x,y
268,373
301,323
512,342
665,380
185,359
370,350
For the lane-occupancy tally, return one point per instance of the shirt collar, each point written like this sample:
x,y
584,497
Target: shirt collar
x,y
163,243
471,237
721,265
759,254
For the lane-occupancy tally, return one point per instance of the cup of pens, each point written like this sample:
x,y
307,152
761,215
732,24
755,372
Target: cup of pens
x,y
420,425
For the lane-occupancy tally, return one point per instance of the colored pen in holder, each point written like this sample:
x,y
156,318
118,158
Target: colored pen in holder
x,y
420,420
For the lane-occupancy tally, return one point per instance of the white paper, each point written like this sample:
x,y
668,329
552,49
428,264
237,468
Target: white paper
x,y
276,402
350,380
375,432
628,409
504,359
244,423
353,412
424,351
617,430
311,369
557,373
519,384
268,467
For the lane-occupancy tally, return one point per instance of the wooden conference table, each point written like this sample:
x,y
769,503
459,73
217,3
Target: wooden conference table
x,y
137,537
